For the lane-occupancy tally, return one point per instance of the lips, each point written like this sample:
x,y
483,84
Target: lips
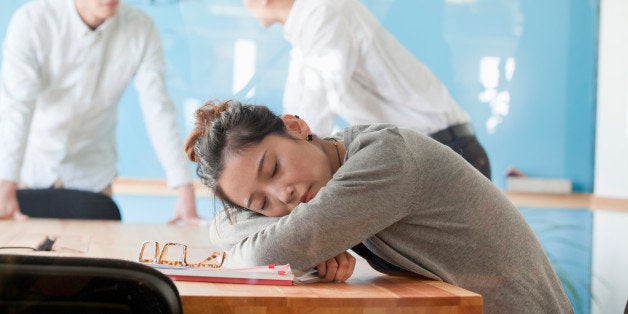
x,y
306,196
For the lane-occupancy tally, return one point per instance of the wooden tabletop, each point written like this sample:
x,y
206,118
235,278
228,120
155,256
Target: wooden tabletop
x,y
366,292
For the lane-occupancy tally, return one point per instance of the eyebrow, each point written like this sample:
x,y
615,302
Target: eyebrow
x,y
259,172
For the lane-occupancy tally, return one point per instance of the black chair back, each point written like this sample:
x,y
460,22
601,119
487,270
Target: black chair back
x,y
52,284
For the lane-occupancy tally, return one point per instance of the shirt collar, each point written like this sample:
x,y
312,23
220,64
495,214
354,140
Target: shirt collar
x,y
80,28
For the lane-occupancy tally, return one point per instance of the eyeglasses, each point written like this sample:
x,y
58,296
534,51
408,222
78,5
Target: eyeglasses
x,y
161,258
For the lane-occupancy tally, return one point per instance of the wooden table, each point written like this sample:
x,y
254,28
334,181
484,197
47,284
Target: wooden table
x,y
366,292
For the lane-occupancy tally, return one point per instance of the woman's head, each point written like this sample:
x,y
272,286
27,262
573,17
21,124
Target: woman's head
x,y
253,159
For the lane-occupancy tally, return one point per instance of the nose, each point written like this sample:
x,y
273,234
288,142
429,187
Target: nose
x,y
285,193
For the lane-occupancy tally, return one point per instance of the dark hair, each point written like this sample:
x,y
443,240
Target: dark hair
x,y
225,128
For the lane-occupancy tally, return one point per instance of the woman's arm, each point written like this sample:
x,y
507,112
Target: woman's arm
x,y
224,234
362,199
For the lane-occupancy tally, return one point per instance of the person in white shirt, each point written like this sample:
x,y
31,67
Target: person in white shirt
x,y
343,62
65,66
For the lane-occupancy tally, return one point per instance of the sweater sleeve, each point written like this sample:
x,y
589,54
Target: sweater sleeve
x,y
225,233
352,207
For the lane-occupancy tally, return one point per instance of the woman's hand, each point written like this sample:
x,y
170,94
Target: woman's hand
x,y
338,268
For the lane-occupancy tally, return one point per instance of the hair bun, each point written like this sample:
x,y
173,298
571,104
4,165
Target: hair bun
x,y
204,116
209,112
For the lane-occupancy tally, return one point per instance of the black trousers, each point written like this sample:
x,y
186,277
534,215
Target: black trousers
x,y
472,151
378,263
461,139
67,204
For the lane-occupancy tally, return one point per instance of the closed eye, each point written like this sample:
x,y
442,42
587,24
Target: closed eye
x,y
271,175
263,204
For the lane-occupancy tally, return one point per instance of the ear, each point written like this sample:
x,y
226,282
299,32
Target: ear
x,y
296,127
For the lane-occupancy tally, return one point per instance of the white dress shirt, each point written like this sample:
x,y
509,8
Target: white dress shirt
x,y
59,91
343,62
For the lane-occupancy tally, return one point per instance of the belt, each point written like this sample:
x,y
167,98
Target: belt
x,y
453,133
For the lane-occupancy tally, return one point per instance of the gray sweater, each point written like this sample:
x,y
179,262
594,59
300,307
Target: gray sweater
x,y
418,205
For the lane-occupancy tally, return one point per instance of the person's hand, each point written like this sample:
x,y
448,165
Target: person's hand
x,y
9,207
186,207
338,268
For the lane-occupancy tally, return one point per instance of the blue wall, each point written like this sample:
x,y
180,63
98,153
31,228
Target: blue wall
x,y
524,70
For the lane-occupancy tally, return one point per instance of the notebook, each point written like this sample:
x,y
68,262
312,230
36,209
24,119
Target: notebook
x,y
262,275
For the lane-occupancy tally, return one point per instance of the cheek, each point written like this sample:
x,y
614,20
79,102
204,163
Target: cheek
x,y
304,159
277,213
322,163
280,211
316,166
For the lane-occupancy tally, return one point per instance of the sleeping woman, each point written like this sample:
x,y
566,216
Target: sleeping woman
x,y
405,202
